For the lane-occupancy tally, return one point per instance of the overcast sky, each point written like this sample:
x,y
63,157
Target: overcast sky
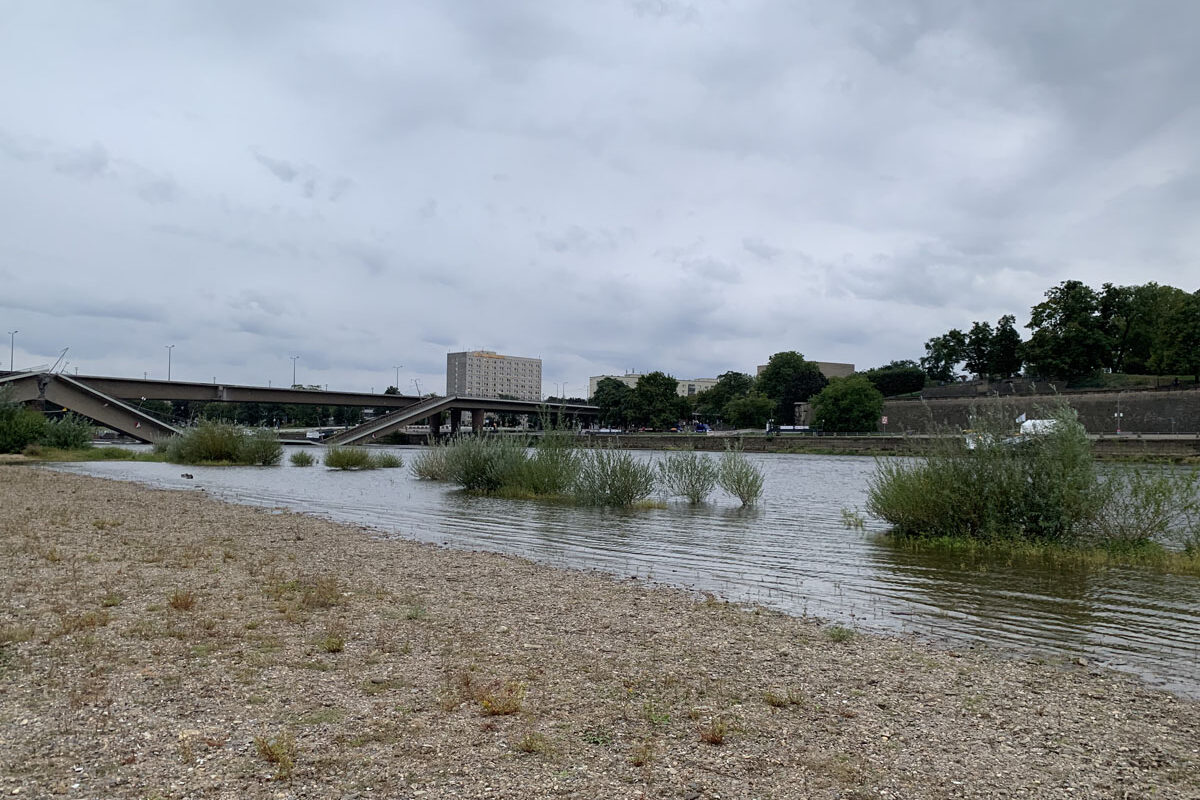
x,y
637,184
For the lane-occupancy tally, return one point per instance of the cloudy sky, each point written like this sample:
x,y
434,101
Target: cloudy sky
x,y
606,185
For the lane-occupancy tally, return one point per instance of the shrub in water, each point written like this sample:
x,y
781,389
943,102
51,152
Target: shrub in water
x,y
302,458
552,469
260,446
70,432
739,477
222,443
347,458
386,461
1148,504
1042,487
485,463
689,475
612,478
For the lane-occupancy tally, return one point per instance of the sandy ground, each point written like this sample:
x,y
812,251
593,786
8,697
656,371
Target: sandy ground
x,y
160,644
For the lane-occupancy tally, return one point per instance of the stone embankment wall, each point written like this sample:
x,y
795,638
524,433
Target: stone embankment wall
x,y
1170,412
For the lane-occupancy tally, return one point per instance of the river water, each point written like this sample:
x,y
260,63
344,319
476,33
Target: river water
x,y
793,553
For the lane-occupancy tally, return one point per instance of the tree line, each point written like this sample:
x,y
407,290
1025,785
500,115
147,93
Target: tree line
x,y
1077,332
739,400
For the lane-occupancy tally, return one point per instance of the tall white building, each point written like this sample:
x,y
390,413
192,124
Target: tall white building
x,y
485,373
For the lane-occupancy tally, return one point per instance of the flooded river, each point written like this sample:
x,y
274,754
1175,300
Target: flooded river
x,y
793,553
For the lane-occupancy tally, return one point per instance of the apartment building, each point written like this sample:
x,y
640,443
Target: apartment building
x,y
485,373
685,388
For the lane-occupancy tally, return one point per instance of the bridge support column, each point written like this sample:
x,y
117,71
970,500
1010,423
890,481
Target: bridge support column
x,y
477,420
455,420
435,426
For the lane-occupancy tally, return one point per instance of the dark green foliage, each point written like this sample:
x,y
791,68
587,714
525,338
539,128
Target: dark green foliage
x,y
897,377
851,404
1068,337
943,354
433,464
485,463
655,402
712,404
20,426
789,379
1006,355
751,411
614,399
69,432
260,447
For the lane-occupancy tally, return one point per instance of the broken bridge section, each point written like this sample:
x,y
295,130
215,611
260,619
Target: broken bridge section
x,y
77,396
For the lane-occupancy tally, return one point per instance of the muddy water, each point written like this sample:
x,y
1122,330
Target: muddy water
x,y
792,553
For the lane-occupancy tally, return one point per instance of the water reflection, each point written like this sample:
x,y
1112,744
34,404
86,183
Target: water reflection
x,y
792,553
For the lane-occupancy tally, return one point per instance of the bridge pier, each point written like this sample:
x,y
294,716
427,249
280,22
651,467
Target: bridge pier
x,y
435,426
477,420
455,420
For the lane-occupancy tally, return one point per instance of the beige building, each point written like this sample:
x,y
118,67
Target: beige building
x,y
485,373
686,388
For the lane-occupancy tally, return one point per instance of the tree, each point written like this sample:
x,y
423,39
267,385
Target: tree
x,y
943,353
751,411
391,390
1068,337
789,379
1180,338
896,377
1005,359
655,401
614,399
979,349
710,405
848,404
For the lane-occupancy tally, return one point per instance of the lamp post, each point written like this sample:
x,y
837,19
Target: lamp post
x,y
169,347
293,358
417,384
12,338
1118,414
397,383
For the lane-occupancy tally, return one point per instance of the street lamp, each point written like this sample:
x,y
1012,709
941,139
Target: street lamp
x,y
417,383
12,337
397,383
293,358
169,347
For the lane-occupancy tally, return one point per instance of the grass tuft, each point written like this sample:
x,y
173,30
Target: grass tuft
x,y
279,750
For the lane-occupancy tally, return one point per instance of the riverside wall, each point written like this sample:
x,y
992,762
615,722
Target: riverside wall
x,y
1152,412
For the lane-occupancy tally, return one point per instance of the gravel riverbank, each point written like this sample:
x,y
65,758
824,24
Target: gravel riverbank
x,y
158,644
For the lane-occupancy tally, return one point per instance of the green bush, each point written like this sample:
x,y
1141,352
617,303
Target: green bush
x,y
485,463
1042,487
20,425
386,461
739,477
689,475
222,443
302,458
612,478
260,446
1148,504
551,469
347,458
69,432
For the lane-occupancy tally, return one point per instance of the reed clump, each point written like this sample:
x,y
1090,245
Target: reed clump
x,y
613,478
357,458
302,458
432,464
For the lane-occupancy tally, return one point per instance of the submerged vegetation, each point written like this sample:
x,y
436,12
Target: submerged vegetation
x,y
556,468
1041,488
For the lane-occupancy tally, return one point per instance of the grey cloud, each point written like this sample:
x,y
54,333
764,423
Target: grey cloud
x,y
760,248
712,269
88,162
276,166
576,239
